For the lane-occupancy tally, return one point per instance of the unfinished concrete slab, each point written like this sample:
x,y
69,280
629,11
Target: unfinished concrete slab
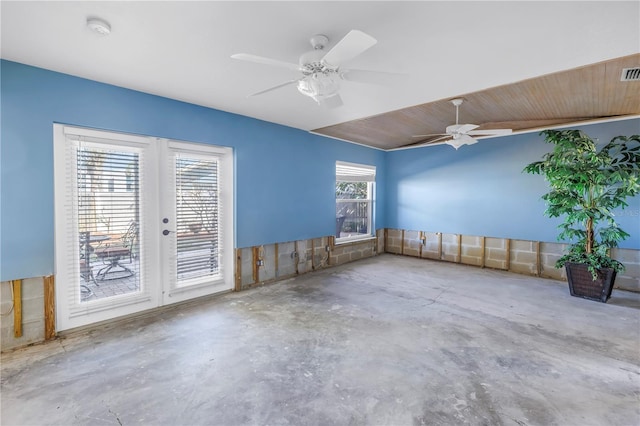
x,y
388,340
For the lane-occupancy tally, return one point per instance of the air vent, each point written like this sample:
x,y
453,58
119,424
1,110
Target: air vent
x,y
630,74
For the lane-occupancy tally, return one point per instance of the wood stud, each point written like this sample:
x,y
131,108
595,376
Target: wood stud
x,y
538,269
386,237
17,307
256,269
313,256
276,260
49,308
238,286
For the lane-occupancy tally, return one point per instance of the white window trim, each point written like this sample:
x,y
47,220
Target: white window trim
x,y
71,313
354,172
225,281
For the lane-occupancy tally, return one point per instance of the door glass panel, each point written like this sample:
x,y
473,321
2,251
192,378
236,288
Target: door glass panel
x,y
108,206
197,221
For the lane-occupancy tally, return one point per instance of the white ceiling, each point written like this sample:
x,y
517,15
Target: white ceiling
x,y
182,50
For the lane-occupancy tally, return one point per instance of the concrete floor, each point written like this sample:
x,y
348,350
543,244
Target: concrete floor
x,y
385,341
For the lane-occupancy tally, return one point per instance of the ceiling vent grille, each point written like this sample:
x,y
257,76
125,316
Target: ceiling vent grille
x,y
630,74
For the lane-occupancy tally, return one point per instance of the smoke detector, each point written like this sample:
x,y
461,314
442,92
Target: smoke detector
x,y
99,26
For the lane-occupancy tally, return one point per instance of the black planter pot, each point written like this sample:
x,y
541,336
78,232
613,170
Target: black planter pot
x,y
582,284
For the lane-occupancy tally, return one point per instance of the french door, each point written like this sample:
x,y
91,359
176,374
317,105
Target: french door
x,y
141,222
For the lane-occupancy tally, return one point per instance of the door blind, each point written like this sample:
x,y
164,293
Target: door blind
x,y
104,257
197,218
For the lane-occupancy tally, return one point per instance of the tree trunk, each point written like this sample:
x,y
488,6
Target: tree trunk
x,y
589,226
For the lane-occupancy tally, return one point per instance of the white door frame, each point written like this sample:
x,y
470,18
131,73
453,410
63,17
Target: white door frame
x,y
225,282
155,291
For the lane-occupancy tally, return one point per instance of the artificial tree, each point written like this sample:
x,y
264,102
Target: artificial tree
x,y
587,184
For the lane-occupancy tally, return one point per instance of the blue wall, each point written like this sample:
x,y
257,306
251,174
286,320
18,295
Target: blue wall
x,y
284,177
481,190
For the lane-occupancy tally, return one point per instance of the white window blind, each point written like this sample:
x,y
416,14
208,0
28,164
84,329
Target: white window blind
x,y
350,172
101,223
105,207
197,210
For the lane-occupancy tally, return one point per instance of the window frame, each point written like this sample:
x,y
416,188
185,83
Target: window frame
x,y
356,173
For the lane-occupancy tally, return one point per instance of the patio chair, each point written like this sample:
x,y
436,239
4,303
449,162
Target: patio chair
x,y
86,272
85,256
113,254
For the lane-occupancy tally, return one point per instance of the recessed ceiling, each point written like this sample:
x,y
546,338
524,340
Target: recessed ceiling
x,y
500,56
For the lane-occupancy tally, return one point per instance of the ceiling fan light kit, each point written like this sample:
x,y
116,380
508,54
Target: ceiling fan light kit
x,y
319,85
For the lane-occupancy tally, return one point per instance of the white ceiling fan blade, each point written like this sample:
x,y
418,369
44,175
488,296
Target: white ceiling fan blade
x,y
351,45
460,128
427,142
430,135
461,140
467,140
466,128
372,77
273,88
266,61
454,143
331,102
490,132
438,139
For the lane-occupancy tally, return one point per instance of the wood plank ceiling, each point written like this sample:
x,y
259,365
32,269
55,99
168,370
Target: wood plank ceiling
x,y
588,93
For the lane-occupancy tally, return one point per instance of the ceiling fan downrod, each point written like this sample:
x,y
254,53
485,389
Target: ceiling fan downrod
x,y
457,102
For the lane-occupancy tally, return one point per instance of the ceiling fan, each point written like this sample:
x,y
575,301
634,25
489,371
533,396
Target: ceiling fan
x,y
461,134
321,71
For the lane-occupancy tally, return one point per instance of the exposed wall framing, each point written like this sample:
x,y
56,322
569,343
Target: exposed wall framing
x,y
269,263
520,256
282,260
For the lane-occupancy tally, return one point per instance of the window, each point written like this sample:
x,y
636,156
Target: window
x,y
354,200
